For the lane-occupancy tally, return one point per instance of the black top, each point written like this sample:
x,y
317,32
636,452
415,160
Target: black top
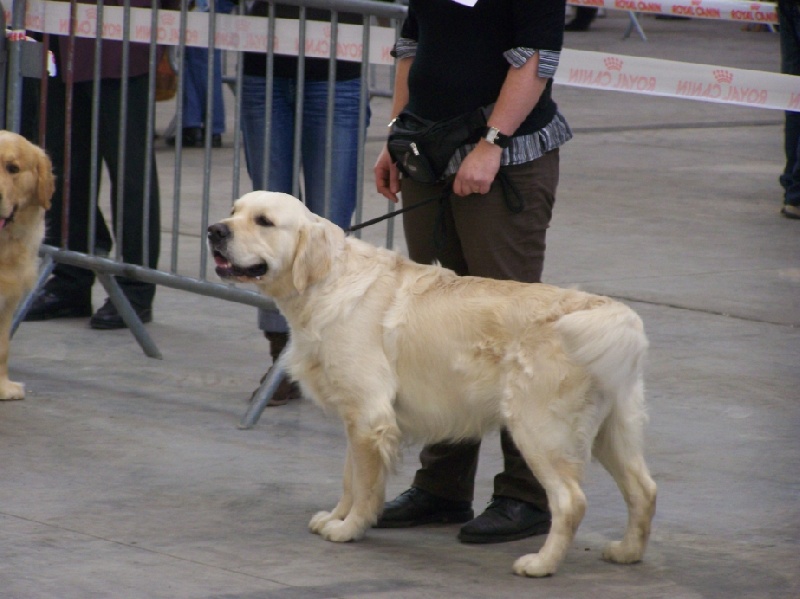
x,y
459,63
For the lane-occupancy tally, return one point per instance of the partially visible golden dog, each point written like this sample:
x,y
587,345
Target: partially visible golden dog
x,y
399,349
26,187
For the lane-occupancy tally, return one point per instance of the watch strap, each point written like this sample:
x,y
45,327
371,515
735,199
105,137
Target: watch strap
x,y
493,136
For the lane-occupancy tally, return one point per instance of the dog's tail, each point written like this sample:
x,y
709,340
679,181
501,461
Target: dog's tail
x,y
610,342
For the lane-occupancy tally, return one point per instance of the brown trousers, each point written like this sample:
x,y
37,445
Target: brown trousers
x,y
479,235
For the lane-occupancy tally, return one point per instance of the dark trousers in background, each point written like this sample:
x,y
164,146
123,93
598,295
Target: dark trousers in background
x,y
130,199
479,235
789,20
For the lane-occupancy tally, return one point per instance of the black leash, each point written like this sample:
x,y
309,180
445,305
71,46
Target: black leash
x,y
445,192
511,195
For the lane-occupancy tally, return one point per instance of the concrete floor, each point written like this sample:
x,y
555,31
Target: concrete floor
x,y
124,476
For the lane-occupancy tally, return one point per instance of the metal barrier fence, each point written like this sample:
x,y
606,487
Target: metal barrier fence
x,y
192,273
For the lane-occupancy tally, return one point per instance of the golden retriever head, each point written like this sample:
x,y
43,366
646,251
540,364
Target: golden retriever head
x,y
26,178
273,240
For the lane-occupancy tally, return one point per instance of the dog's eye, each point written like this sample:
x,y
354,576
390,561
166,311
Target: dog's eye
x,y
263,221
12,168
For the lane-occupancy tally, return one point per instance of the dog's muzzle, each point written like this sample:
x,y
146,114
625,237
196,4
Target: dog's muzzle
x,y
218,237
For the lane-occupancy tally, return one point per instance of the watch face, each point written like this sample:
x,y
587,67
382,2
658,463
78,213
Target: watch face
x,y
493,136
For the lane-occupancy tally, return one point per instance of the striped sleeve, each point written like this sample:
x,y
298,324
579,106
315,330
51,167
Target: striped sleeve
x,y
548,59
404,48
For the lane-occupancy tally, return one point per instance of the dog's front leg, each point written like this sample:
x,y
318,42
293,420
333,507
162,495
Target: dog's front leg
x,y
342,508
367,451
8,389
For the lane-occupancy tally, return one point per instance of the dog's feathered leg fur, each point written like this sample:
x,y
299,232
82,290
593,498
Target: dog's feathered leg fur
x,y
371,452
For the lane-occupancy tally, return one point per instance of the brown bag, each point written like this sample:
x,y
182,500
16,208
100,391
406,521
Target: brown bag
x,y
166,79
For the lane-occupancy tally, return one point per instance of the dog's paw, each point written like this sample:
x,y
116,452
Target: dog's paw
x,y
9,390
534,566
318,522
620,553
341,531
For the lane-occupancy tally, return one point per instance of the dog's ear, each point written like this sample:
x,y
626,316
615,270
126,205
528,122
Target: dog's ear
x,y
47,181
316,244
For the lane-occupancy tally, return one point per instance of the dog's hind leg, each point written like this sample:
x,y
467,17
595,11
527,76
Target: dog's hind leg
x,y
560,476
618,447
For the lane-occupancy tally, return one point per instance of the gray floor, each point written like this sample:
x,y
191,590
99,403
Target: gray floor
x,y
124,476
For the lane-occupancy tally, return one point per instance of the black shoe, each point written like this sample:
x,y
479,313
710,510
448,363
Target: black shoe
x,y
49,304
505,519
191,137
790,211
416,507
576,25
107,317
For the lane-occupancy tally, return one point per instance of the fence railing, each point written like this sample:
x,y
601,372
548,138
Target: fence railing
x,y
185,267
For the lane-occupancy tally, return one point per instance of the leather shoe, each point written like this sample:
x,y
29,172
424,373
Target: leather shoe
x,y
505,519
107,317
49,304
287,391
416,507
191,137
576,25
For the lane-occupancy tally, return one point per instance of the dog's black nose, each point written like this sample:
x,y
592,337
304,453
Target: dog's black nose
x,y
218,232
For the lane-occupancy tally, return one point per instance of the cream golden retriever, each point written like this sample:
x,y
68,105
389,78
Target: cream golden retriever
x,y
26,187
403,350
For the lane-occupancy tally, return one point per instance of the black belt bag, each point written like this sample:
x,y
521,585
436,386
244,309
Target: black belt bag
x,y
422,148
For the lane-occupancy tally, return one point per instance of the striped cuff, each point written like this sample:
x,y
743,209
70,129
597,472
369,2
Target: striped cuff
x,y
404,48
548,60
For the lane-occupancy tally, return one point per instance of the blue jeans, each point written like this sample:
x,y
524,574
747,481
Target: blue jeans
x,y
346,133
195,87
195,74
789,20
344,165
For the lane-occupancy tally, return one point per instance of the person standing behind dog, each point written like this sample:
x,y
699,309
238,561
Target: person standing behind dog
x,y
346,132
195,89
453,58
789,19
68,292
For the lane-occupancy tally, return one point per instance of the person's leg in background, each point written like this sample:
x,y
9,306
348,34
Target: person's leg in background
x,y
253,124
195,67
218,117
139,236
195,94
344,147
504,245
789,21
68,292
584,15
442,489
507,245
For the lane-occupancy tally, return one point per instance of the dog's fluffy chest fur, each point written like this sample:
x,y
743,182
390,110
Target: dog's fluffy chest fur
x,y
19,243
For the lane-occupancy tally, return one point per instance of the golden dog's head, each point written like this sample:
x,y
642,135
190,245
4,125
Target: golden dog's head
x,y
26,179
273,240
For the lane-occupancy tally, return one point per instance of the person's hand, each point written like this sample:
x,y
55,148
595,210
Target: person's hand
x,y
478,170
387,178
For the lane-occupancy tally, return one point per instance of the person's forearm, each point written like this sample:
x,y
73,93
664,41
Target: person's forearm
x,y
519,95
400,100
